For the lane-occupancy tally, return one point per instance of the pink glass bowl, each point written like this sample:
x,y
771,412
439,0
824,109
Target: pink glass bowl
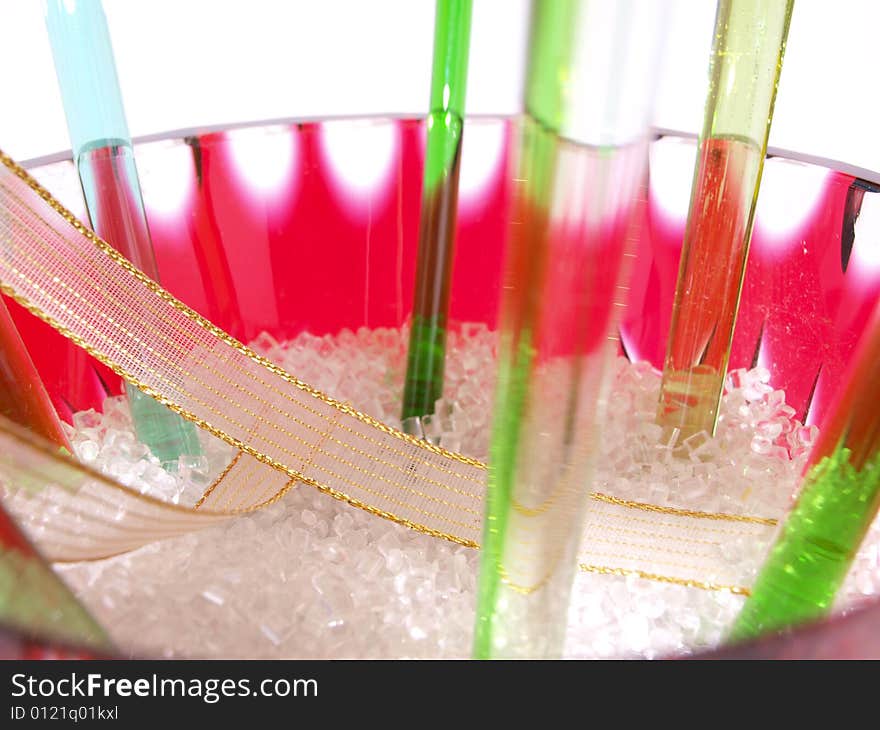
x,y
313,226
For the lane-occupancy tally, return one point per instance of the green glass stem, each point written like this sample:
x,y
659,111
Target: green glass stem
x,y
839,499
452,37
35,601
427,346
809,562
513,376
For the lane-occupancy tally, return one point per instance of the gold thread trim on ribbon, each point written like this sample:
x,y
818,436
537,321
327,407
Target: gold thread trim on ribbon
x,y
338,409
107,250
28,441
527,590
48,451
268,460
175,365
608,499
162,293
604,570
217,481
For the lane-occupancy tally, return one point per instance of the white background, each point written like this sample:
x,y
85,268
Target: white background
x,y
192,63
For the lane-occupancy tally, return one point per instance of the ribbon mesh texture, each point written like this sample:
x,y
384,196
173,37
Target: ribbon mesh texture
x,y
287,433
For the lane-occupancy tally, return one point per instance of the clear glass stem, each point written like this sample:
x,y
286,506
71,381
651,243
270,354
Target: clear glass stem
x,y
86,72
745,65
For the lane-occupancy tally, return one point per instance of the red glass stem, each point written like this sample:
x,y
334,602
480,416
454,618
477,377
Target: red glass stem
x,y
23,397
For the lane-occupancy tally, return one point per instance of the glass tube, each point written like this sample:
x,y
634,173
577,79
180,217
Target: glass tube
x,y
580,167
427,344
839,499
744,69
35,601
104,159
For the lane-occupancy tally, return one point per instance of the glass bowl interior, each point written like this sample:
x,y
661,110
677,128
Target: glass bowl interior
x,y
312,227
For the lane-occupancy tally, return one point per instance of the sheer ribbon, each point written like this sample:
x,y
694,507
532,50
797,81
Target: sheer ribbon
x,y
286,432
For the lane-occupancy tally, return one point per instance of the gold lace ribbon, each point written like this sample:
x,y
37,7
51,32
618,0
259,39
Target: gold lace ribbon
x,y
287,433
